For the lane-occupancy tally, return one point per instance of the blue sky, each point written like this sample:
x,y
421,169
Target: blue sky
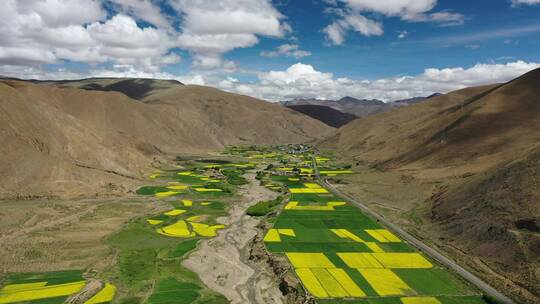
x,y
426,45
277,49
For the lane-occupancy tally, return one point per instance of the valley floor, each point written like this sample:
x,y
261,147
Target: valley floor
x,y
251,225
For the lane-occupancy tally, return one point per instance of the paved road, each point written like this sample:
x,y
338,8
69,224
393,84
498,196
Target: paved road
x,y
486,288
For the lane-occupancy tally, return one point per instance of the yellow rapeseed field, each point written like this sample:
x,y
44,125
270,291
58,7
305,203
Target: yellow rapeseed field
x,y
374,247
402,260
287,232
311,283
187,203
345,280
335,204
23,286
293,205
154,222
384,260
177,187
359,260
207,190
308,190
385,282
13,294
309,260
206,230
420,300
175,212
167,193
339,233
332,287
272,236
104,295
346,234
178,229
383,235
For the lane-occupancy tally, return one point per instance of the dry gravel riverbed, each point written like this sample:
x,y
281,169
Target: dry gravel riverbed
x,y
222,262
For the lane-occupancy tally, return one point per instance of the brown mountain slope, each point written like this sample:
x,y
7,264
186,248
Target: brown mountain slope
x,y
477,150
67,142
495,215
328,115
386,136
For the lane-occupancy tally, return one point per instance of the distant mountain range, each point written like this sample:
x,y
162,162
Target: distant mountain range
x,y
357,107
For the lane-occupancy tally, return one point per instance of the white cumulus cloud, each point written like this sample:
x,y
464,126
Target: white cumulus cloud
x,y
211,28
38,32
304,81
352,17
524,2
288,50
407,9
50,31
335,32
144,10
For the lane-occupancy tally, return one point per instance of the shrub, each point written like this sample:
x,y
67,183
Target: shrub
x,y
264,207
234,177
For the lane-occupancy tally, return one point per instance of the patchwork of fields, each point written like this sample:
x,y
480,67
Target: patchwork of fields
x,y
150,249
342,256
337,253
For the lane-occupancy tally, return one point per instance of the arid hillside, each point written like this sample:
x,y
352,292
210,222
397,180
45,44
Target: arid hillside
x,y
67,142
477,152
328,115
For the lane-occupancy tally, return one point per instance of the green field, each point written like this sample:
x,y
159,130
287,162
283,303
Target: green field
x,y
149,263
342,233
52,289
